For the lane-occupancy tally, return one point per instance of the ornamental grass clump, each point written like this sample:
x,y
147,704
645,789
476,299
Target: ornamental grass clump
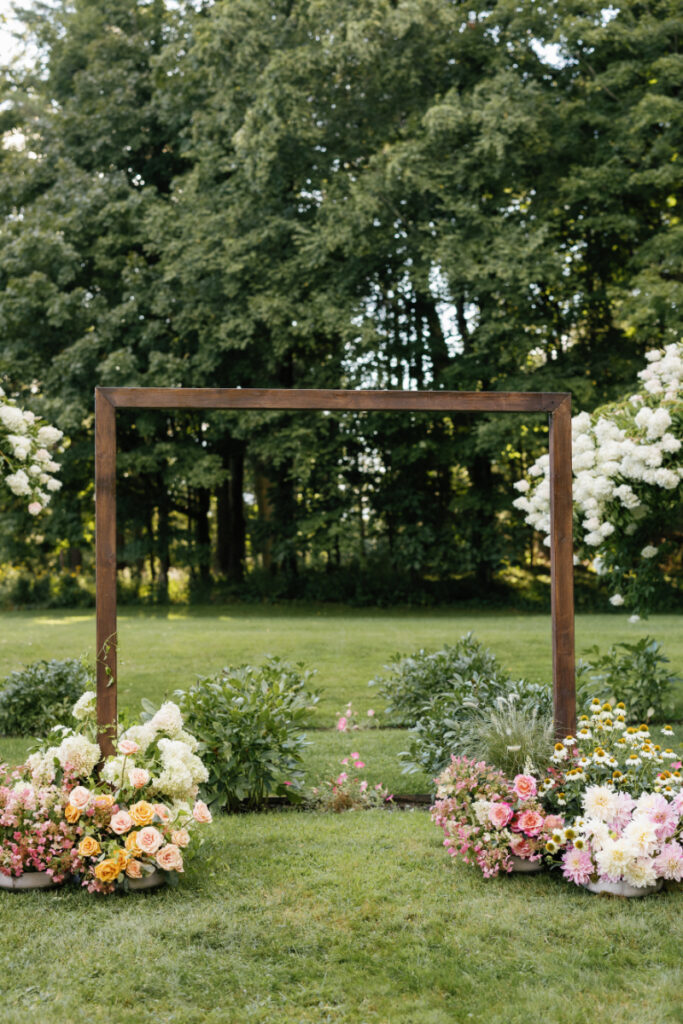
x,y
512,736
487,820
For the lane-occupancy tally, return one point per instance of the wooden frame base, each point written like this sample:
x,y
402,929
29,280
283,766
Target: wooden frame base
x,y
557,405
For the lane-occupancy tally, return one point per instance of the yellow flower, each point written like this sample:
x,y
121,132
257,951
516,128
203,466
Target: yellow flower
x,y
108,870
72,814
103,800
88,847
131,844
121,859
142,813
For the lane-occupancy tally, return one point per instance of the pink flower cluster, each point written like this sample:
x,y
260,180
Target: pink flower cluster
x,y
33,833
486,818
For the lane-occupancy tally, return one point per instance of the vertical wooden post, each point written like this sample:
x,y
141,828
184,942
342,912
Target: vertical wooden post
x,y
105,558
562,569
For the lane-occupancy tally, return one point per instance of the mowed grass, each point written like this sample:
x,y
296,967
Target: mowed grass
x,y
361,918
351,919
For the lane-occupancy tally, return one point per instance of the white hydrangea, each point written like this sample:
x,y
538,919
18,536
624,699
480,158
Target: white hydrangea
x,y
616,457
168,719
112,770
78,752
143,735
42,766
85,705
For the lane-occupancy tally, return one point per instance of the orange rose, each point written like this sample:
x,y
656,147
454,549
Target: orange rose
x,y
142,813
88,847
133,869
121,859
103,800
131,844
108,870
72,814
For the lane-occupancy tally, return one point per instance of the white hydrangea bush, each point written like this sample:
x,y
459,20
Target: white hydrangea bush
x,y
627,469
26,462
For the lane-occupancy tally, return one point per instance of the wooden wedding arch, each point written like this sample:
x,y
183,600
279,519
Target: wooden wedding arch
x,y
557,405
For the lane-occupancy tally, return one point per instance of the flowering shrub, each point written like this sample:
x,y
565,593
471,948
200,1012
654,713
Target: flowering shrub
x,y
34,834
25,460
621,839
348,792
486,819
607,751
627,473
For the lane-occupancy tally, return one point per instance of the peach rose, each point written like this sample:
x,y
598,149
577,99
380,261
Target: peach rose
x,y
181,838
500,814
170,858
79,797
72,814
163,812
142,813
128,747
103,800
201,813
524,786
133,869
108,870
139,777
149,839
121,822
530,822
88,847
521,847
132,842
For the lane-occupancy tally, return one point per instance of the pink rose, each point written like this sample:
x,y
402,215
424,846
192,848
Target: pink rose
x,y
163,812
79,797
500,814
524,786
170,858
149,839
121,822
201,813
521,847
139,777
128,747
530,822
342,723
133,869
180,837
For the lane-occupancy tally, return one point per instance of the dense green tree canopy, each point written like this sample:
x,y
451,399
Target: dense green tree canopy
x,y
365,193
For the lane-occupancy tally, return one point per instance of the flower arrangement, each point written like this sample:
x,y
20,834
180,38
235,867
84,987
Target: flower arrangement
x,y
25,458
347,792
136,815
621,839
34,833
607,751
487,820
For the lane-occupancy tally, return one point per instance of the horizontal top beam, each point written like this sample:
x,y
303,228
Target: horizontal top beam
x,y
294,398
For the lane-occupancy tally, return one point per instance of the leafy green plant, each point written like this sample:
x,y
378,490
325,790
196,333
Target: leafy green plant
x,y
41,695
451,722
465,670
634,673
249,722
513,735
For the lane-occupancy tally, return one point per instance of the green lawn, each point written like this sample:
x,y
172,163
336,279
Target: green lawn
x,y
292,917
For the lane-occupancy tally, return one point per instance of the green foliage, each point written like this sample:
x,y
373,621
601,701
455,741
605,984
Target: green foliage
x,y
249,722
41,695
511,735
450,722
634,673
466,671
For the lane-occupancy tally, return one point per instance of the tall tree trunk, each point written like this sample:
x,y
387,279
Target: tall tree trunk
x,y
230,539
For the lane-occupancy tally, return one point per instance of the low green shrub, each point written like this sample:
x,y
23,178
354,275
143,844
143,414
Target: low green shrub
x,y
634,673
452,723
249,722
41,695
465,670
